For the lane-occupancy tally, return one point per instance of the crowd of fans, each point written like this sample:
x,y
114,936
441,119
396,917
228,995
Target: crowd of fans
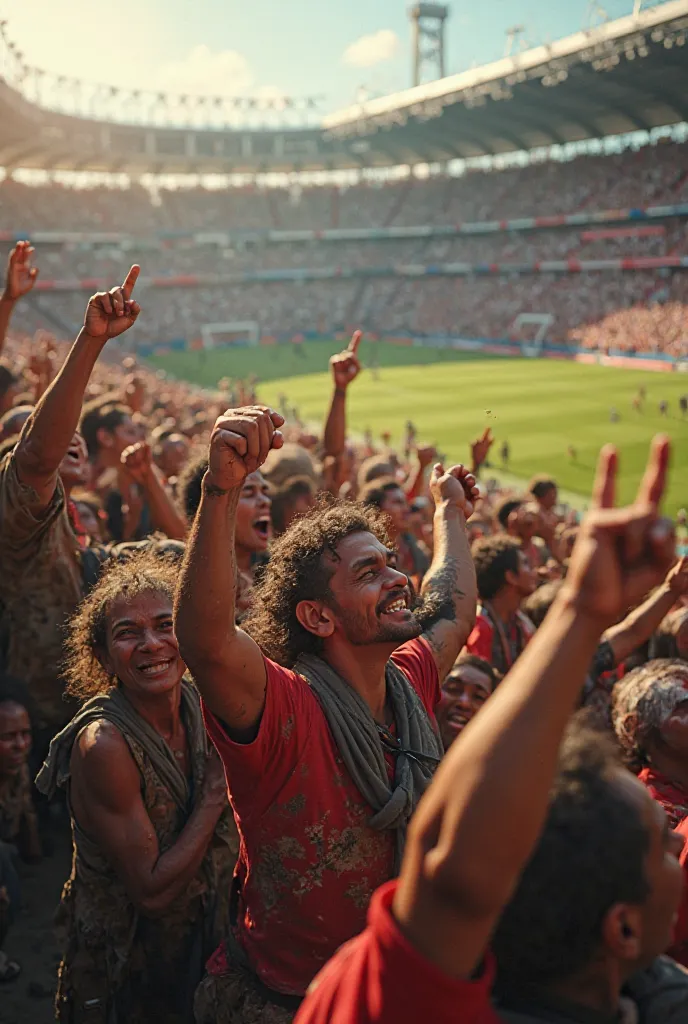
x,y
603,310
318,708
651,175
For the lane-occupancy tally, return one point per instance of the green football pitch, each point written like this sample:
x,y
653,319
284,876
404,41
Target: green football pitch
x,y
540,406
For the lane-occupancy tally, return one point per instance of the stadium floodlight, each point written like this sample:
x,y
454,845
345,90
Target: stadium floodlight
x,y
428,41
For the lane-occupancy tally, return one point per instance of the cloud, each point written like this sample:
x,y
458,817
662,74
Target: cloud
x,y
204,73
373,49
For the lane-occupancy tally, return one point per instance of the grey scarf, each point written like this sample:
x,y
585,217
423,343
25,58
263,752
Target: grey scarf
x,y
360,745
114,707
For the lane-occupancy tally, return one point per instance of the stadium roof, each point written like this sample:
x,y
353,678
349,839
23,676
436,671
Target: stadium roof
x,y
622,76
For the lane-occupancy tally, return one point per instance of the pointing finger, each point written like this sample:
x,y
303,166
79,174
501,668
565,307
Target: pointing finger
x,y
605,479
654,480
355,342
130,280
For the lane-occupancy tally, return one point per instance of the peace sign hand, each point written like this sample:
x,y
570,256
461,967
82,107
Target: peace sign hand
x,y
621,554
109,314
345,366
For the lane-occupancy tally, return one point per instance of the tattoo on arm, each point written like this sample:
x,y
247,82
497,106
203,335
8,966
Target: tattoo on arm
x,y
438,600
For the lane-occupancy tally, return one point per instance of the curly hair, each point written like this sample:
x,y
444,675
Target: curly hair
x,y
145,572
298,572
494,557
189,484
643,701
591,855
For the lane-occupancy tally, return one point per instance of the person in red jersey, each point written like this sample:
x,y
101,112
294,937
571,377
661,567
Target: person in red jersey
x,y
505,580
424,955
650,718
322,709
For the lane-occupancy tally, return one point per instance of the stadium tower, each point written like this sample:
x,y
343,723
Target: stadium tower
x,y
428,41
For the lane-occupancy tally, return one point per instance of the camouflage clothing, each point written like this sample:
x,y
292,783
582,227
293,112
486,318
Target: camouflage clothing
x,y
234,998
118,966
40,586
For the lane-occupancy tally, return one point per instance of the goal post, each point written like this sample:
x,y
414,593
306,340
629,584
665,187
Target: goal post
x,y
233,332
530,329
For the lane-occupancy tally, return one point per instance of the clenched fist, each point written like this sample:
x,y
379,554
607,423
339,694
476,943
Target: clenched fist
x,y
456,487
109,314
240,443
137,460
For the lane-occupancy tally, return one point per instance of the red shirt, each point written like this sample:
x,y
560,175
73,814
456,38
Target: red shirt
x,y
379,978
486,642
308,861
679,947
673,799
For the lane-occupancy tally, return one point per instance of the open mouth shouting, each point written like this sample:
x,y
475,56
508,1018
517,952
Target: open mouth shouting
x,y
263,527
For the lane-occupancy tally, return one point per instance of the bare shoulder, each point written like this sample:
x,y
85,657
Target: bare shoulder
x,y
99,755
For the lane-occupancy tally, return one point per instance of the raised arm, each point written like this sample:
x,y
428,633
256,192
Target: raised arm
x,y
476,827
227,665
19,280
116,817
449,590
137,460
345,368
639,625
49,430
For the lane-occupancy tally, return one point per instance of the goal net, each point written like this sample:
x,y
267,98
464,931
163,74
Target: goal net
x,y
235,332
530,329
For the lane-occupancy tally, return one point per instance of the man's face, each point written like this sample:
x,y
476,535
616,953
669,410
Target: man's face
x,y
75,470
127,433
663,872
674,732
253,525
175,452
525,580
371,600
527,522
142,650
15,737
464,692
549,499
395,506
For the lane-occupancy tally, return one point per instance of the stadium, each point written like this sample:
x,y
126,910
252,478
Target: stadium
x,y
498,227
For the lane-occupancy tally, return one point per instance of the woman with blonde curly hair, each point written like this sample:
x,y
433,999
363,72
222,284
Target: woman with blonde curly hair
x,y
153,834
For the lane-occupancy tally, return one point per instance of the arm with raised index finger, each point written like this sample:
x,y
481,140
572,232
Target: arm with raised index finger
x,y
49,430
456,879
449,590
227,665
345,368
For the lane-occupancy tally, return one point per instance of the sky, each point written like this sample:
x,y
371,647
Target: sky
x,y
334,49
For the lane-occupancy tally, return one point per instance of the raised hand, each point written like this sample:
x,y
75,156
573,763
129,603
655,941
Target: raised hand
x,y
455,487
137,460
240,443
426,454
109,314
21,276
346,367
480,448
677,577
621,554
